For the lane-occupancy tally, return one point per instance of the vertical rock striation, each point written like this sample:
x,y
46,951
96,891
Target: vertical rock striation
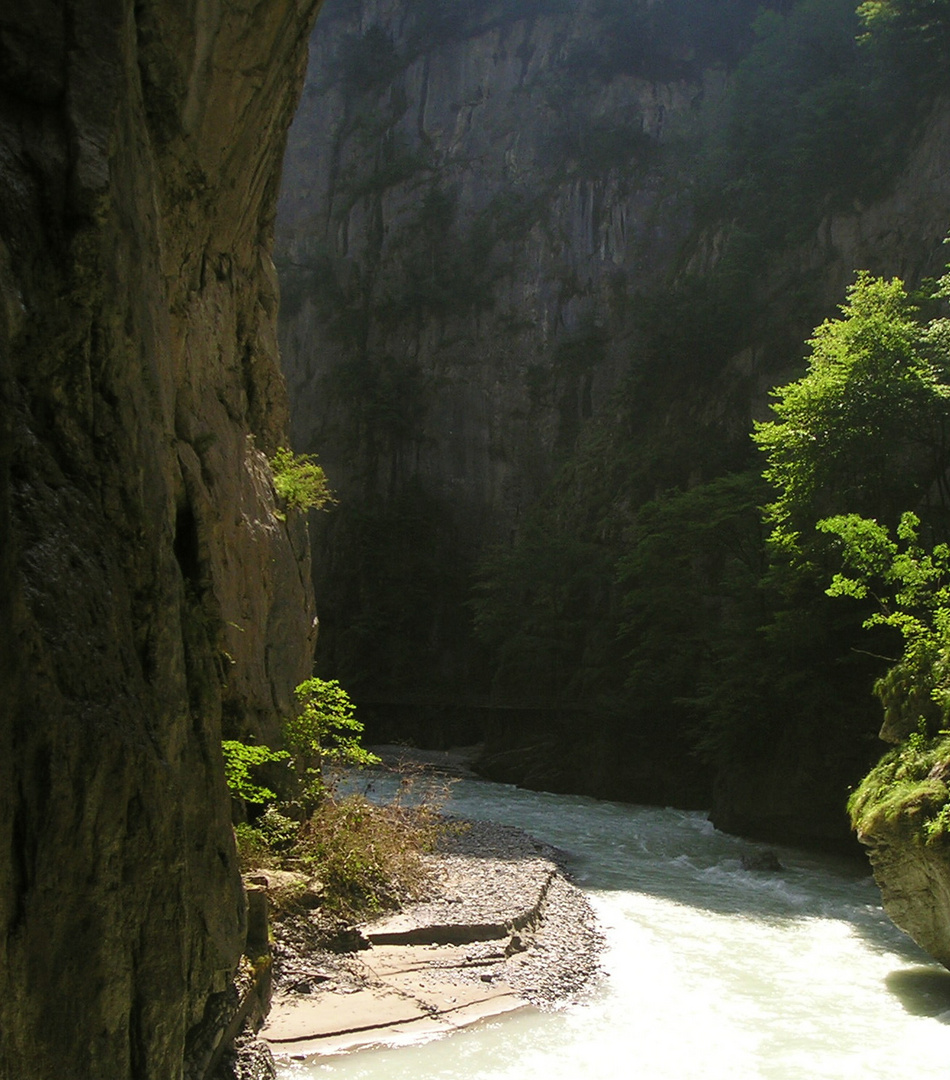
x,y
914,879
469,202
472,200
149,592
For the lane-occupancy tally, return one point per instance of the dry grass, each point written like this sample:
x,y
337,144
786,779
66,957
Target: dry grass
x,y
366,857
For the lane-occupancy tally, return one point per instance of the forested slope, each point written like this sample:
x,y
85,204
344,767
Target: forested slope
x,y
541,267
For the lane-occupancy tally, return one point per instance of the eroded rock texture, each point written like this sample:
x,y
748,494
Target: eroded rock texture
x,y
150,592
468,205
468,202
914,879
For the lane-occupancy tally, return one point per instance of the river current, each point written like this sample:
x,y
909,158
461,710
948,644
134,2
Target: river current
x,y
711,971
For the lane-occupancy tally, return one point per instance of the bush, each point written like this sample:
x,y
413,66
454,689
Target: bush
x,y
239,759
368,857
253,851
300,481
324,731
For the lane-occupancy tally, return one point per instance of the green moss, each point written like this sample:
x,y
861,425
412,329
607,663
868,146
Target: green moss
x,y
908,785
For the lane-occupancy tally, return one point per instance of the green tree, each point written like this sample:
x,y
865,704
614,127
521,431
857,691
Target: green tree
x,y
323,731
859,438
693,555
911,34
865,429
534,606
910,586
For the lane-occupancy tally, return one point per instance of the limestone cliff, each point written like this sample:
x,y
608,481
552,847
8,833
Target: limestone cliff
x,y
522,298
476,209
469,205
467,202
150,591
914,879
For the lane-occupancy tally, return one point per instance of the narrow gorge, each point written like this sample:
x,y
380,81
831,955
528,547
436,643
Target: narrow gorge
x,y
539,265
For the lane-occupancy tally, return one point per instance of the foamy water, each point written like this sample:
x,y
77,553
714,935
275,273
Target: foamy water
x,y
711,971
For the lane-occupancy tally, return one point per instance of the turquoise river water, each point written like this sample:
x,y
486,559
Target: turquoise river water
x,y
710,972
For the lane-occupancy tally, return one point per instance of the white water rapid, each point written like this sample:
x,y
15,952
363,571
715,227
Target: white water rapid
x,y
712,972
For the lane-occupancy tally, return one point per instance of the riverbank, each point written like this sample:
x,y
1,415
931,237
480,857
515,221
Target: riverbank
x,y
502,928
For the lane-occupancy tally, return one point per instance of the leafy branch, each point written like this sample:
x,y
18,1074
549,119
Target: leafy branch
x,y
300,481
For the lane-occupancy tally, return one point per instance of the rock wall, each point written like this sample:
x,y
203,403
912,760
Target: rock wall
x,y
467,204
468,209
914,879
483,215
151,593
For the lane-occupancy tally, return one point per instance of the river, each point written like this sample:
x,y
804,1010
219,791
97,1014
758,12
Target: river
x,y
711,971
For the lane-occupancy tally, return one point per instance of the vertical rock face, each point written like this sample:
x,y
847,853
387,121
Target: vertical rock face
x,y
468,202
149,592
471,200
914,879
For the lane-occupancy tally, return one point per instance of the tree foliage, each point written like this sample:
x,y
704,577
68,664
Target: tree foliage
x,y
690,557
911,588
913,35
240,759
533,605
864,430
323,731
300,480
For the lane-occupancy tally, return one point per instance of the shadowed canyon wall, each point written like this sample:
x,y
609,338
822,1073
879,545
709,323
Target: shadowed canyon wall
x,y
152,594
541,265
471,199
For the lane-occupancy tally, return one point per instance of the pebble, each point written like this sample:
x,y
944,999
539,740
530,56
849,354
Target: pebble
x,y
484,873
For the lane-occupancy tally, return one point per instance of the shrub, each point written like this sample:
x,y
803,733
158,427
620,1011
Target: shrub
x,y
239,759
368,857
300,481
253,850
324,731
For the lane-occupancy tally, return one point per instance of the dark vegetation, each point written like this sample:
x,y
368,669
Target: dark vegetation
x,y
644,606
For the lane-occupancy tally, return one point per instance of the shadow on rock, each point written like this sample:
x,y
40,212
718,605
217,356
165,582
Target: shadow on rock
x,y
922,991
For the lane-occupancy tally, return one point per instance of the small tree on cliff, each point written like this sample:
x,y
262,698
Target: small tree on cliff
x,y
323,731
300,481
